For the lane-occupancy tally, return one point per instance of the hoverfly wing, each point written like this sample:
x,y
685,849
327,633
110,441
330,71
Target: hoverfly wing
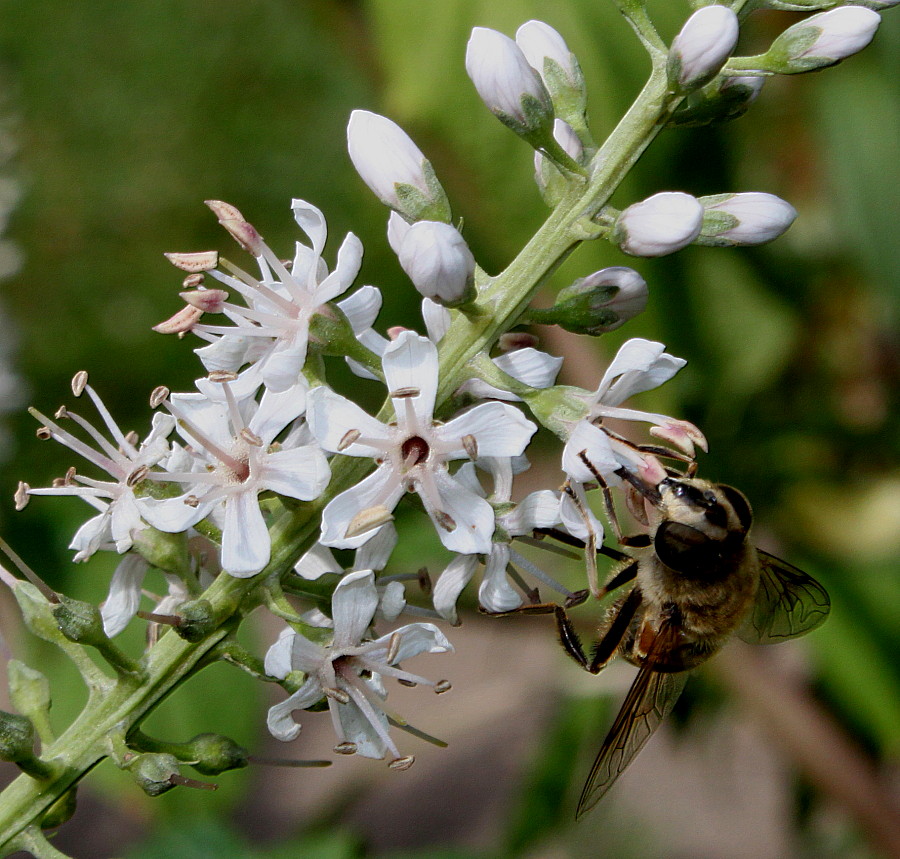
x,y
788,603
650,699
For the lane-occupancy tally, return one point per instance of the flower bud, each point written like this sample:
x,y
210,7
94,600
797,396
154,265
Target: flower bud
x,y
598,303
702,47
16,737
822,40
394,168
211,754
744,219
436,258
154,772
724,99
550,181
659,225
549,55
512,90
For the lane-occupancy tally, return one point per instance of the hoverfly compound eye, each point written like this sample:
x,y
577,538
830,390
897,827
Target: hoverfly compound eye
x,y
739,504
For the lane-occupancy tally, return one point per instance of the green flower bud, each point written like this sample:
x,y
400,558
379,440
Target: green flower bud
x,y
212,754
80,621
16,737
197,620
597,303
155,773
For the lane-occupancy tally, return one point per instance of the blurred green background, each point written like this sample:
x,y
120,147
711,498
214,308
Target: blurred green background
x,y
117,119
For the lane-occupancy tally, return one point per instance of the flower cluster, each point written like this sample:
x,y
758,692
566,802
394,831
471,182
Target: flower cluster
x,y
266,440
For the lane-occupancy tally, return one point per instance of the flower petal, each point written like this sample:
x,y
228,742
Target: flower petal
x,y
302,472
331,417
124,594
380,487
246,545
353,607
456,575
499,430
411,362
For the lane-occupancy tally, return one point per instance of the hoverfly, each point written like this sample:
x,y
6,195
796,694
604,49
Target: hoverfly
x,y
697,579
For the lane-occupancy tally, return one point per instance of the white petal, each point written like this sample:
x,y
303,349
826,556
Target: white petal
x,y
456,575
499,430
331,417
317,562
531,366
276,410
125,521
380,487
349,260
578,519
358,729
279,721
353,607
124,594
591,441
495,593
538,509
91,536
277,661
416,638
375,554
283,365
392,600
641,365
312,222
473,516
411,361
436,318
246,546
302,472
172,515
361,308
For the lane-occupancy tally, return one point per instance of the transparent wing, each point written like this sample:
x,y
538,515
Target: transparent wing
x,y
788,603
650,699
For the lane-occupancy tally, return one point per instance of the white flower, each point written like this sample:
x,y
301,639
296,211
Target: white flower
x,y
436,258
123,459
745,219
659,225
540,509
412,452
705,42
235,440
392,165
593,451
348,672
508,85
272,332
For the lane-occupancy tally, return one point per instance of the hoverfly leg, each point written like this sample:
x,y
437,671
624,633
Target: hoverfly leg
x,y
606,647
623,577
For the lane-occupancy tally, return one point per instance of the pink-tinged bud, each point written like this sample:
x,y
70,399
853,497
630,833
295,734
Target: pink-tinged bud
x,y
744,219
181,322
822,40
243,232
512,90
206,300
437,260
660,225
394,168
194,262
703,46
